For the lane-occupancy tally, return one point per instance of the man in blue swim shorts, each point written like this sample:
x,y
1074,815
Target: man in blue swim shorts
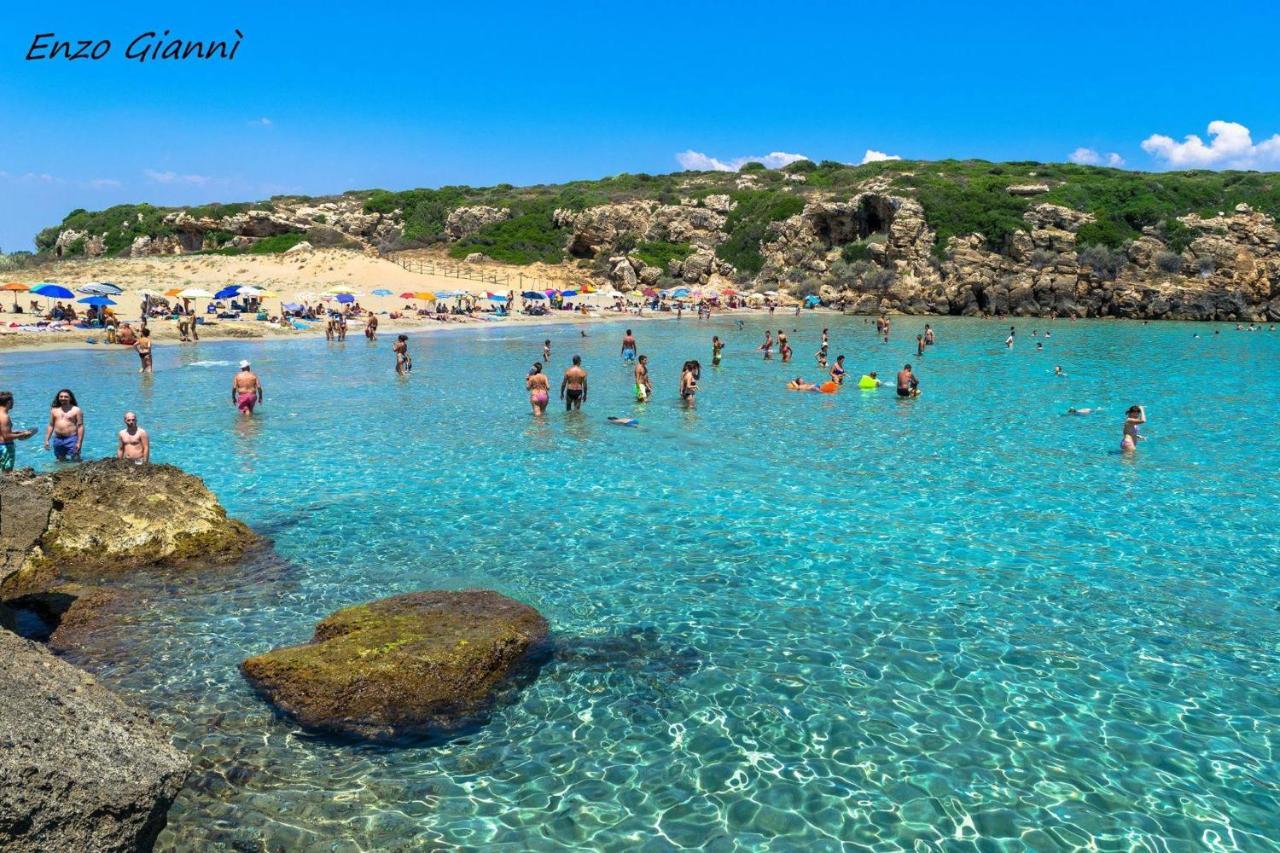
x,y
66,427
628,347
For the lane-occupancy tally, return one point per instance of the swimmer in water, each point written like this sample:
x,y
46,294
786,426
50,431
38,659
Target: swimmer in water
x,y
908,385
546,351
837,370
717,347
623,421
643,386
928,335
689,383
1057,371
919,345
1039,347
401,349
539,388
799,384
1075,411
628,347
1133,418
767,346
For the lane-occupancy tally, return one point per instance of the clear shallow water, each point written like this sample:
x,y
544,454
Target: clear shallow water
x,y
957,622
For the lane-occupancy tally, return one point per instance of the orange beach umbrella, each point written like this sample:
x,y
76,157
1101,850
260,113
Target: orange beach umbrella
x,y
15,287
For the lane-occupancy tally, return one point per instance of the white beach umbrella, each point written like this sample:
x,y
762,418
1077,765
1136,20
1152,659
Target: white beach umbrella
x,y
194,293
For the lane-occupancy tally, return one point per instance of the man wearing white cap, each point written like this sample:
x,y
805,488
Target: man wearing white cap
x,y
246,390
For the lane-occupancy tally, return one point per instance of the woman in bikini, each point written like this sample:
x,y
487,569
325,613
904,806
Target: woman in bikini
x,y
539,389
689,383
1136,416
143,348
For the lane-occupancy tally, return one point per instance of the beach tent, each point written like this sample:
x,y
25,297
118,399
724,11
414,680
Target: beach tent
x,y
382,291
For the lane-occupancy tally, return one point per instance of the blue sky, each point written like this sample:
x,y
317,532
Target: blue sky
x,y
327,97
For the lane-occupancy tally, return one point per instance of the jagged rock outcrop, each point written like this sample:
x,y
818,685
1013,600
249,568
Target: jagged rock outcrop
x,y
603,228
412,664
80,768
465,221
103,518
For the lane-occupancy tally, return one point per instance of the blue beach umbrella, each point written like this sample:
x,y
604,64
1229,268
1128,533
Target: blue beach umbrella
x,y
345,298
568,293
382,291
533,294
98,301
811,300
52,291
680,291
227,292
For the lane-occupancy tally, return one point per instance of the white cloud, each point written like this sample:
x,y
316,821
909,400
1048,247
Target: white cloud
x,y
170,177
30,178
105,183
261,122
1090,157
697,161
1231,146
874,156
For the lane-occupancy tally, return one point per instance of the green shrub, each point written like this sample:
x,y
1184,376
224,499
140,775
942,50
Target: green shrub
x,y
1105,261
753,166
529,236
748,226
858,250
801,166
658,253
1170,262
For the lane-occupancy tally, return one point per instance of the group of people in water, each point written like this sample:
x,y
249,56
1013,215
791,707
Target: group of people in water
x,y
64,433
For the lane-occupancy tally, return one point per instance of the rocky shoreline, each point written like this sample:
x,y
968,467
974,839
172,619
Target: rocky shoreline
x,y
85,769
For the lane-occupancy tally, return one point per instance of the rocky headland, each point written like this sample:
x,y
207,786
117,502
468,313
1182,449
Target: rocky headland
x,y
948,237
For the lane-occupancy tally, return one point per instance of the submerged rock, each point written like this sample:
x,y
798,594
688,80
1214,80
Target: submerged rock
x,y
412,664
80,768
103,518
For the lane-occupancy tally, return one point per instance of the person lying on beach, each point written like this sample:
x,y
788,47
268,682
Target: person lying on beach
x,y
135,444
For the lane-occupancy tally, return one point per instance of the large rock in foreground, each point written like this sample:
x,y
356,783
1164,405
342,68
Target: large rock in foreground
x,y
102,518
80,768
420,663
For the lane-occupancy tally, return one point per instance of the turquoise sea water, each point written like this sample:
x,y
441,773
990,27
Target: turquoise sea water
x,y
790,621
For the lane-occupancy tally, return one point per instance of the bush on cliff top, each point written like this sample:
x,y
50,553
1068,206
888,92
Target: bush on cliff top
x,y
658,253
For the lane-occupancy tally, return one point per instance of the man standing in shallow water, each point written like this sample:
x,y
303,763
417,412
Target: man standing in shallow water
x,y
8,435
135,444
66,427
246,390
573,388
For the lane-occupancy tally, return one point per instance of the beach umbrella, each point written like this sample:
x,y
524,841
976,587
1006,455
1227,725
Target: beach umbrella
x,y
493,297
227,292
173,292
533,294
100,288
15,287
342,288
812,300
345,298
97,301
291,306
382,291
407,295
568,293
52,291
424,295
194,293
448,294
650,292
680,292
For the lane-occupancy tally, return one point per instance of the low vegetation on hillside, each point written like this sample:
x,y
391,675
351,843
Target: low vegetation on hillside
x,y
958,196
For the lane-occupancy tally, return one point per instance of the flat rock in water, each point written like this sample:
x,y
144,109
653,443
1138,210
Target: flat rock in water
x,y
107,517
80,768
421,663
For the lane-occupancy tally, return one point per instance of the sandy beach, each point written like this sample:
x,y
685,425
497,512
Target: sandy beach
x,y
295,277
